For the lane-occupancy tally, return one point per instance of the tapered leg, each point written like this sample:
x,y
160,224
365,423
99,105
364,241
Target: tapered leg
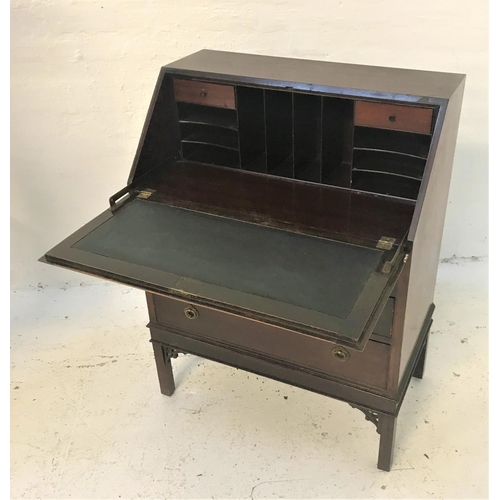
x,y
418,372
387,429
163,357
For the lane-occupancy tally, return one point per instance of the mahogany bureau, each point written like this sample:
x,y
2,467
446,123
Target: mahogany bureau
x,y
285,217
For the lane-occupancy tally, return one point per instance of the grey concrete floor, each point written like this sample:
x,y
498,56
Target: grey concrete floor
x,y
88,420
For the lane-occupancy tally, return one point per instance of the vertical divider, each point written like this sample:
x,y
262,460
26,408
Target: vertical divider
x,y
238,126
307,137
279,132
348,156
337,137
294,176
266,112
264,92
251,128
320,140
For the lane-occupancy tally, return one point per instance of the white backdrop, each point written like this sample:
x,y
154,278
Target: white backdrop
x,y
82,75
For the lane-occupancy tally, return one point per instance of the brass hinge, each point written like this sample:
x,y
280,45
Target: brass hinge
x,y
144,195
385,243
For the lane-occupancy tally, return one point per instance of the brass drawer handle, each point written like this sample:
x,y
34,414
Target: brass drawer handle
x,y
203,93
341,354
392,118
190,312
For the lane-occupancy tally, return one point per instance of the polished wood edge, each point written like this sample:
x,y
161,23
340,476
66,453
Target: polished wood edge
x,y
299,86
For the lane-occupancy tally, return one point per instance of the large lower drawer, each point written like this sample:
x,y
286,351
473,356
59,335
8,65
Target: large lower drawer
x,y
368,367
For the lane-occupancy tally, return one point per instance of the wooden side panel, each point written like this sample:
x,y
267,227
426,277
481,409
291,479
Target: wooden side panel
x,y
429,230
160,139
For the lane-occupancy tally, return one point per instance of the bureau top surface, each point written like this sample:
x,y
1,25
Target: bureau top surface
x,y
350,79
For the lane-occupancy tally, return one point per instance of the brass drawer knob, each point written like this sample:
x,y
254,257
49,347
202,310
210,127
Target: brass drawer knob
x,y
203,93
392,118
341,354
190,312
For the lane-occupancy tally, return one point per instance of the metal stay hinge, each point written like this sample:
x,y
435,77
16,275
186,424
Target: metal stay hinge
x,y
388,265
386,243
144,195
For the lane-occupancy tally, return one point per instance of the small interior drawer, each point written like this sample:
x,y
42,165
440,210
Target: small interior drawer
x,y
209,94
393,117
368,367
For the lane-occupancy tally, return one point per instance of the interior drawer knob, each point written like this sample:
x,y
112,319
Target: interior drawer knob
x,y
392,118
190,312
203,93
341,354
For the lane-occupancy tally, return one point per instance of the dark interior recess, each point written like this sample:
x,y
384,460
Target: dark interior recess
x,y
374,182
387,163
337,137
210,154
307,137
208,115
279,130
207,134
251,127
390,140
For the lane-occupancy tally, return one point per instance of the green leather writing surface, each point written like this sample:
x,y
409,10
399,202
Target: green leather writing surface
x,y
313,273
